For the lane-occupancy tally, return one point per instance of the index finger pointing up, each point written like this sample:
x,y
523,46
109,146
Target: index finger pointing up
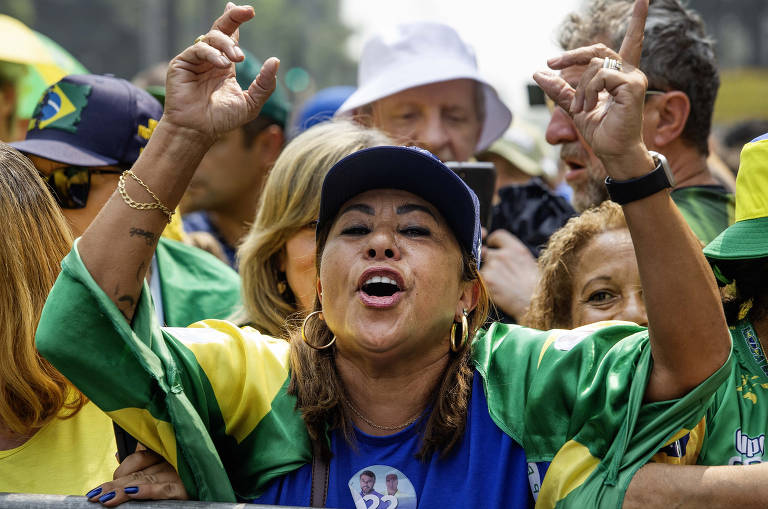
x,y
632,45
232,18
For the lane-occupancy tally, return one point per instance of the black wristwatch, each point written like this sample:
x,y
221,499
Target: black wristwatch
x,y
626,191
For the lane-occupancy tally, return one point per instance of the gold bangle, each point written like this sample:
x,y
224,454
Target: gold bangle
x,y
139,205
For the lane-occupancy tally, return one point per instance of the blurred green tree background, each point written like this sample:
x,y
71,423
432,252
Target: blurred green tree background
x,y
123,37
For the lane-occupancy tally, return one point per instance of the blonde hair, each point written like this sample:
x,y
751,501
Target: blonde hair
x,y
35,238
290,201
551,301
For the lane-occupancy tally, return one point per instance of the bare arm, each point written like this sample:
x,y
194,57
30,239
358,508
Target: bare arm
x,y
683,305
203,100
663,486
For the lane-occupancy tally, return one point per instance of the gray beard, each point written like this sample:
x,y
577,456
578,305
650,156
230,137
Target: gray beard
x,y
591,195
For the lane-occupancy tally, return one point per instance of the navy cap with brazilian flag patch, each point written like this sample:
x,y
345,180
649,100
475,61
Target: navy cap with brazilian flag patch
x,y
748,237
91,120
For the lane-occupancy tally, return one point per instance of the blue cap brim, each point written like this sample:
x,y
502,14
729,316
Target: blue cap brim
x,y
62,152
407,169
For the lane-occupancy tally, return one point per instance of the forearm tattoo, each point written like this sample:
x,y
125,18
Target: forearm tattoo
x,y
149,237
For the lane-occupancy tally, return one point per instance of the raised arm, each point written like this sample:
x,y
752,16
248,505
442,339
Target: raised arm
x,y
688,333
203,100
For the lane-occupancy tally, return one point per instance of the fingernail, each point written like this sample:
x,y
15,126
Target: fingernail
x,y
239,52
106,498
93,492
131,490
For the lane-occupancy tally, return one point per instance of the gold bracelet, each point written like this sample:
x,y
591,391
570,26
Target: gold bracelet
x,y
139,205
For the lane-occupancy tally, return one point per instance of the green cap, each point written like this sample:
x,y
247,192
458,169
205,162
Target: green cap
x,y
277,106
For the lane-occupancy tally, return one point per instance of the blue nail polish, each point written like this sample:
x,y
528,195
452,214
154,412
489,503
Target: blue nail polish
x,y
131,490
106,498
93,492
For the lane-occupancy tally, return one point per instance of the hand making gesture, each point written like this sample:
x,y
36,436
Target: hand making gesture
x,y
607,109
607,104
202,93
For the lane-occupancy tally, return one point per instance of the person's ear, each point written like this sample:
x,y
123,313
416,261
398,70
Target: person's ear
x,y
671,111
268,144
470,295
319,288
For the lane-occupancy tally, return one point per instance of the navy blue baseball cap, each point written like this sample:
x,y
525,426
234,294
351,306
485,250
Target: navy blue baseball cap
x,y
91,120
410,169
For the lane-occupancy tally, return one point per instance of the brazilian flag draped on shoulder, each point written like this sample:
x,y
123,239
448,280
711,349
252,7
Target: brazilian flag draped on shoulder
x,y
573,399
212,398
227,440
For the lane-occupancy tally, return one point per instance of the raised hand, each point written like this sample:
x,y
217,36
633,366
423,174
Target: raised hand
x,y
607,104
201,91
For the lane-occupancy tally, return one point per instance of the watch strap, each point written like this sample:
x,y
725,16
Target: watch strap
x,y
627,191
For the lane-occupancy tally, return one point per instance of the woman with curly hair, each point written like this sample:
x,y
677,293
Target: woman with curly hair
x,y
588,273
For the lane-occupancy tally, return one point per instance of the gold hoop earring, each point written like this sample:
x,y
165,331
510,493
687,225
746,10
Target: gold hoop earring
x,y
464,334
304,336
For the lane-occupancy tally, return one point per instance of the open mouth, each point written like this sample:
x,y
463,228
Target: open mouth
x,y
380,286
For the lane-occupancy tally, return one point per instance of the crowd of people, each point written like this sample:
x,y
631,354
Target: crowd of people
x,y
205,300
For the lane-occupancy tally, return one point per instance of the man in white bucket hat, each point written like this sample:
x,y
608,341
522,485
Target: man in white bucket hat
x,y
419,83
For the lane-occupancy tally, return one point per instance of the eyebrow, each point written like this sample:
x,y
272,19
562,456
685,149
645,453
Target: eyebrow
x,y
597,278
402,209
412,207
365,209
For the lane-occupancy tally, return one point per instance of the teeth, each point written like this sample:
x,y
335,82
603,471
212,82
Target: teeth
x,y
380,279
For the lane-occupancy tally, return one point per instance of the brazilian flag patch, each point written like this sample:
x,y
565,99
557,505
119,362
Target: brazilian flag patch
x,y
61,107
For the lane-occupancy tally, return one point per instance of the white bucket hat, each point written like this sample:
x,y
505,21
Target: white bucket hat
x,y
420,53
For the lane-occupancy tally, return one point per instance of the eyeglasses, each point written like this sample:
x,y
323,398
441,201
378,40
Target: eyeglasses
x,y
70,185
655,92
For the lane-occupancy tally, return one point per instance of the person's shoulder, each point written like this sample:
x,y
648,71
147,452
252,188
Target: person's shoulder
x,y
227,352
224,334
501,337
691,195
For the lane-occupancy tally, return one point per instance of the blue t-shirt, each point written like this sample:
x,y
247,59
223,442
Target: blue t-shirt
x,y
486,469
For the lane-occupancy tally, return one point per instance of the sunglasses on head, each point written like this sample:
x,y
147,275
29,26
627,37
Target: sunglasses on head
x,y
70,185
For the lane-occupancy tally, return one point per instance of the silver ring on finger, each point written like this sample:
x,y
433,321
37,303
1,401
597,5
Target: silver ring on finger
x,y
199,38
613,64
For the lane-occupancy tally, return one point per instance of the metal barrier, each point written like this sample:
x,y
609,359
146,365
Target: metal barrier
x,y
28,500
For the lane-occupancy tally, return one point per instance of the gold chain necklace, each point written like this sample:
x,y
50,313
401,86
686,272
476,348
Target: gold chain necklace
x,y
373,424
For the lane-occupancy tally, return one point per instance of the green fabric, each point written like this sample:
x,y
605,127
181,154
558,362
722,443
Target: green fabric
x,y
706,209
542,388
590,385
737,420
160,374
195,285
